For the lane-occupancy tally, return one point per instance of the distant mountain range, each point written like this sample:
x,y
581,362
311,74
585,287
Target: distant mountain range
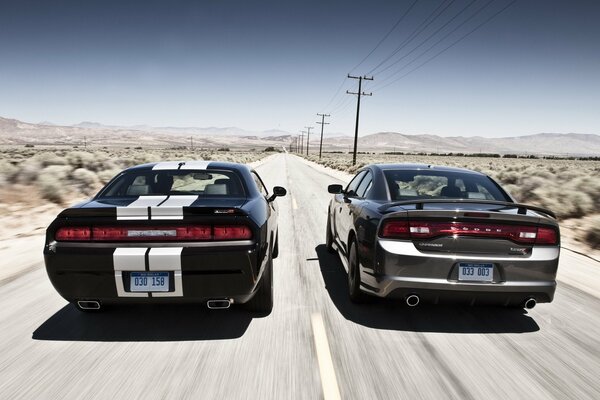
x,y
15,132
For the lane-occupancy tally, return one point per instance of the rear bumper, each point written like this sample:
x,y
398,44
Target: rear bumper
x,y
401,269
197,273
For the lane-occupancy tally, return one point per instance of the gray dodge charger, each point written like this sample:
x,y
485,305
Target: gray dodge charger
x,y
436,234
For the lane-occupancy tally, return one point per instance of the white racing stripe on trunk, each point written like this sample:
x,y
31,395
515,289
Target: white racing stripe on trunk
x,y
167,165
167,259
195,165
128,259
138,209
172,208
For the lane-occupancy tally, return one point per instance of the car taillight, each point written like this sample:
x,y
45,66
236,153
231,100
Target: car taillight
x,y
400,229
167,233
154,234
546,236
233,232
396,229
73,233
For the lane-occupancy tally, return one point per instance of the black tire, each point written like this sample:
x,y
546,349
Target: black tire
x,y
262,302
276,245
356,296
329,236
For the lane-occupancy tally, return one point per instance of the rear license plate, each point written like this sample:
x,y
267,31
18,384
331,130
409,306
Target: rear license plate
x,y
475,272
149,282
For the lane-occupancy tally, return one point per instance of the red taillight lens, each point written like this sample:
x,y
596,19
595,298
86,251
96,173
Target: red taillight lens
x,y
154,234
233,232
162,233
78,233
396,230
399,229
546,236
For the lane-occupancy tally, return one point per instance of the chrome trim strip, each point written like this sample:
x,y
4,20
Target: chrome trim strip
x,y
406,248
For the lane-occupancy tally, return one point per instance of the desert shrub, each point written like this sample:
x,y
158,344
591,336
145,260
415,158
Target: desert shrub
x,y
8,171
592,236
87,182
107,174
51,183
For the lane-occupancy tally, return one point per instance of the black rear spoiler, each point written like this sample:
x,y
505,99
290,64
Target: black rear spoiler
x,y
522,208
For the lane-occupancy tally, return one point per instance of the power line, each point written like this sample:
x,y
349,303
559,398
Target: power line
x,y
322,123
386,35
336,93
453,44
430,36
387,78
427,21
358,95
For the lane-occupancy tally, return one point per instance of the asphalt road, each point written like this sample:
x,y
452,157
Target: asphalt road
x,y
314,344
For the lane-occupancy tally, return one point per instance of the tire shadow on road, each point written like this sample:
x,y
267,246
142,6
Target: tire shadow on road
x,y
144,323
395,315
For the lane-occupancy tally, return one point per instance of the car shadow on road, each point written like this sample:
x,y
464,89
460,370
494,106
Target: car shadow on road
x,y
151,323
395,315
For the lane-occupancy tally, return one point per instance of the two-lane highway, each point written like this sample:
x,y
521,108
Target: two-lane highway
x,y
314,344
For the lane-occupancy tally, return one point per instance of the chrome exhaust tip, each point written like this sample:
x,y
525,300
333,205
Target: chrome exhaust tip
x,y
218,304
88,304
412,300
530,303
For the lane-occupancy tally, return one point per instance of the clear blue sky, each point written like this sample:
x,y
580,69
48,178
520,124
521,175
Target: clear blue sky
x,y
274,64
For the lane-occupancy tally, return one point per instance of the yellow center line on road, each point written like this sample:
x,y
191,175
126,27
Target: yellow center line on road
x,y
329,383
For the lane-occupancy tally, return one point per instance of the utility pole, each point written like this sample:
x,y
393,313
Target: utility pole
x,y
85,142
308,137
358,94
192,142
322,123
302,142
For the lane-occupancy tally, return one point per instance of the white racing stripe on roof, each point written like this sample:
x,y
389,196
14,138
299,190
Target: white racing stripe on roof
x,y
138,209
167,165
172,208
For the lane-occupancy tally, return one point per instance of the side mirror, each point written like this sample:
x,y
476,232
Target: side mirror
x,y
278,191
335,189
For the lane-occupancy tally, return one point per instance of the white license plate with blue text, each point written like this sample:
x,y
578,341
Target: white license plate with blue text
x,y
480,272
149,282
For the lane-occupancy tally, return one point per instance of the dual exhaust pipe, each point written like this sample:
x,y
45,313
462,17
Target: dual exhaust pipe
x,y
219,304
88,304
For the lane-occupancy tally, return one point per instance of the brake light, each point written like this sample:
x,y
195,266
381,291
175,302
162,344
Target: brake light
x,y
400,229
73,233
154,233
170,233
233,232
546,236
395,229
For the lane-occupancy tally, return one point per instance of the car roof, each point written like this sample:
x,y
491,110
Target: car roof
x,y
191,164
413,167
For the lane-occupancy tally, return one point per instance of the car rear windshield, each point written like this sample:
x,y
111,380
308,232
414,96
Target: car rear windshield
x,y
424,184
209,183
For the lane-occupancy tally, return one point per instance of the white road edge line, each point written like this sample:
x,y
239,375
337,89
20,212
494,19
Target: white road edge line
x,y
328,380
294,204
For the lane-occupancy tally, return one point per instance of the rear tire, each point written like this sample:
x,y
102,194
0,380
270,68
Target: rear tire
x,y
262,302
329,236
356,296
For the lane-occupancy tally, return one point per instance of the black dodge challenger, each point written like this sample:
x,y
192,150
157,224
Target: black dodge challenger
x,y
420,232
189,231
